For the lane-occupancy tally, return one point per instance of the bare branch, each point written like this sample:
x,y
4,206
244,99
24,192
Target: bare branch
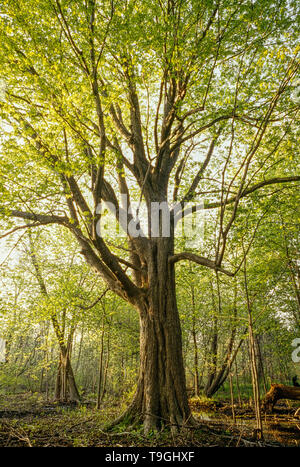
x,y
199,260
253,188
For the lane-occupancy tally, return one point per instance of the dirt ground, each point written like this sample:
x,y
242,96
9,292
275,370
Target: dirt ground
x,y
29,420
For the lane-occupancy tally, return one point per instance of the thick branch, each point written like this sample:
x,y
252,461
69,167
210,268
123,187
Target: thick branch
x,y
199,260
42,219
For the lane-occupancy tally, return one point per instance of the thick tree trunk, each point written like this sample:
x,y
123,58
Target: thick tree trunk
x,y
280,391
161,397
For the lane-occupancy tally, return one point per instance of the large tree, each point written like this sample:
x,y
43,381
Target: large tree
x,y
162,101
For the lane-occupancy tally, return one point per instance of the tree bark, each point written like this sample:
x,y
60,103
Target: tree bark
x,y
161,398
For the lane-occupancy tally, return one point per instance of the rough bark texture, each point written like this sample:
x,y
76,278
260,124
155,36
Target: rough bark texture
x,y
280,391
161,397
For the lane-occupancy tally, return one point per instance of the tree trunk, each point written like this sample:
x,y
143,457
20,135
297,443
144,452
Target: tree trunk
x,y
217,377
253,358
211,378
80,348
161,397
196,371
100,374
255,382
66,388
106,368
237,383
280,391
194,335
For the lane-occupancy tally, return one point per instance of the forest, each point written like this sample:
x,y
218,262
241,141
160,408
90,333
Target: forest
x,y
150,223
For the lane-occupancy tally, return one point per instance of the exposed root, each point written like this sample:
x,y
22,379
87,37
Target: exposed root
x,y
153,423
130,418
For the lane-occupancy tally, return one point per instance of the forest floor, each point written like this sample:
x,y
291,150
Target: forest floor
x,y
30,420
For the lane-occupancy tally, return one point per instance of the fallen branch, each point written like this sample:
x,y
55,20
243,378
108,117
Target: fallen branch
x,y
280,391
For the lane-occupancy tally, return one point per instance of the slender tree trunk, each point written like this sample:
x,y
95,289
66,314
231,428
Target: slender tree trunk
x,y
194,335
231,397
44,372
218,377
42,380
255,383
46,375
196,370
106,368
100,374
253,362
58,382
66,388
237,383
261,372
213,364
80,348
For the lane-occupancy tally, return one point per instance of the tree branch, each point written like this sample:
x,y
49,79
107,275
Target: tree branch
x,y
199,260
253,188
